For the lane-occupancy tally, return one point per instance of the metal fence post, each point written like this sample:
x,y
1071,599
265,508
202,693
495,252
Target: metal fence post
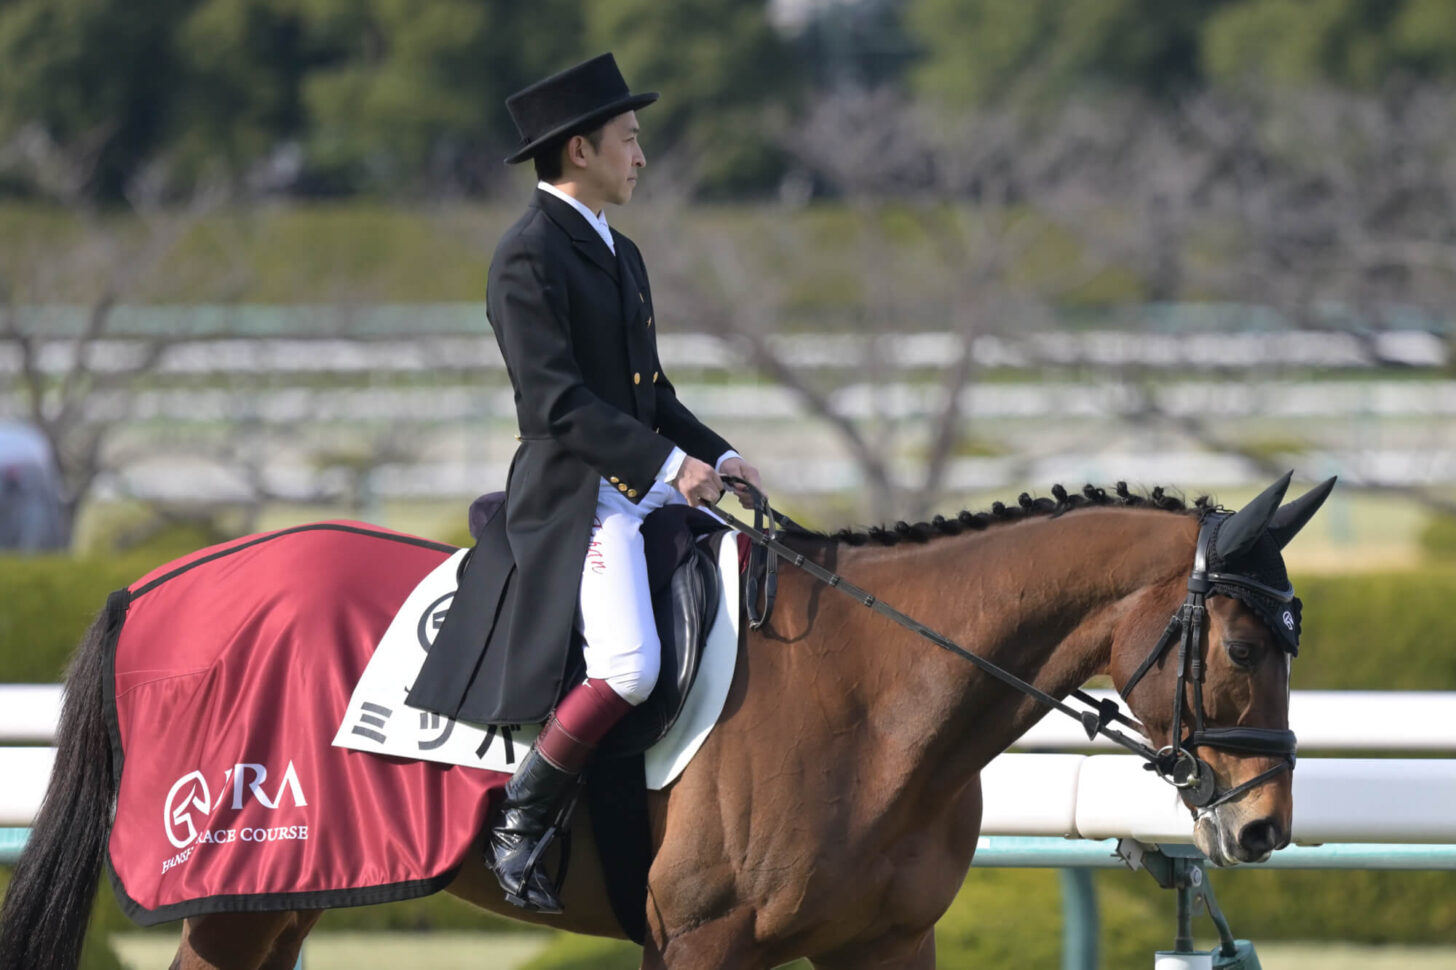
x,y
1079,920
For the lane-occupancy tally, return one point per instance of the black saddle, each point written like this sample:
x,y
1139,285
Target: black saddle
x,y
681,546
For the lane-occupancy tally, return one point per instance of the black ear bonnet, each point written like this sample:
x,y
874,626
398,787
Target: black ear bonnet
x,y
1264,564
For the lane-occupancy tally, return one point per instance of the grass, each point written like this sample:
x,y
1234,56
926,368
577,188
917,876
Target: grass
x,y
366,950
477,951
1353,956
361,252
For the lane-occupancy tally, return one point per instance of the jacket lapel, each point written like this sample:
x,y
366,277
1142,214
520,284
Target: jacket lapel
x,y
583,237
632,299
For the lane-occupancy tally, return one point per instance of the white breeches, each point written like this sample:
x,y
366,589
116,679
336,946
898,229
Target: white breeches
x,y
621,645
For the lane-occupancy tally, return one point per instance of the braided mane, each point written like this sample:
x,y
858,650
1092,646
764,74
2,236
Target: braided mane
x,y
1026,507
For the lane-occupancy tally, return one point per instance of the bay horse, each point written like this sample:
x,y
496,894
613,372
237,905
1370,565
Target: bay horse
x,y
834,810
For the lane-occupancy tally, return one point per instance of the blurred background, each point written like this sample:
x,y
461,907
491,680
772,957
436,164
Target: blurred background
x,y
910,256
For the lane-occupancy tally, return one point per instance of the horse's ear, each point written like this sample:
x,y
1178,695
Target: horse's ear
x,y
1290,518
1239,533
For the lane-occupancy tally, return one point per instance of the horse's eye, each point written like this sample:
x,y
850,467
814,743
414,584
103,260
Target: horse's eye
x,y
1242,654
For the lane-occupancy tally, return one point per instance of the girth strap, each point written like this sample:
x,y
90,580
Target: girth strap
x,y
763,560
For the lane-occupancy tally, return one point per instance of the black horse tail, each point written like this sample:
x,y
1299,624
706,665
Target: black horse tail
x,y
46,909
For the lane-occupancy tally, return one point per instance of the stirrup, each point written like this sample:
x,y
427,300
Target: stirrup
x,y
523,899
560,827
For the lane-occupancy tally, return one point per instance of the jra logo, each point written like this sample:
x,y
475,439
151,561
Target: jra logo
x,y
239,774
190,794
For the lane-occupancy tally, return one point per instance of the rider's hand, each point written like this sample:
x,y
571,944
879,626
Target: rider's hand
x,y
698,482
739,468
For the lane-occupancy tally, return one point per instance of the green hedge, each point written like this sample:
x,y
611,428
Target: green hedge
x,y
1378,631
1389,630
1438,538
49,602
1368,631
96,953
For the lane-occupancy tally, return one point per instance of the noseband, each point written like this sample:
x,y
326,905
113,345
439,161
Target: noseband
x,y
1176,763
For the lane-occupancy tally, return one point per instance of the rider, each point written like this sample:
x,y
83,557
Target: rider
x,y
604,441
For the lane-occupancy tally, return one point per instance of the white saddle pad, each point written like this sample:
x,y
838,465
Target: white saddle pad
x,y
379,721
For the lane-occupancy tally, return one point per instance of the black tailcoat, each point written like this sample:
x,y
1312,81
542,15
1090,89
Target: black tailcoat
x,y
576,328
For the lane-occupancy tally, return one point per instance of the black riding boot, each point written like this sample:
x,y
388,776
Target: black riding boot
x,y
534,795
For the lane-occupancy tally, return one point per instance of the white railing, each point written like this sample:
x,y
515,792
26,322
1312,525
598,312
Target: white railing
x,y
1336,800
1348,721
407,344
1362,800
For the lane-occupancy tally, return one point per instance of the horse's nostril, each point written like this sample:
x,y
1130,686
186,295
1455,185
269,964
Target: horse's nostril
x,y
1260,837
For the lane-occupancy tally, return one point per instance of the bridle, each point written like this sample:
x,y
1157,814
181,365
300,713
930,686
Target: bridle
x,y
1176,763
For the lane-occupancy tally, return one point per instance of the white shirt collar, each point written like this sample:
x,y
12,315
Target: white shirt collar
x,y
597,222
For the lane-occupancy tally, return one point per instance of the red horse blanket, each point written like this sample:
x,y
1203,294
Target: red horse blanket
x,y
231,673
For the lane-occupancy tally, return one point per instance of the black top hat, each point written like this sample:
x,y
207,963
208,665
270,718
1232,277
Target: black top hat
x,y
575,100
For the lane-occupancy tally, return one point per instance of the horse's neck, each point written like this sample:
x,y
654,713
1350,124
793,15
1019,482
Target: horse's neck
x,y
1040,598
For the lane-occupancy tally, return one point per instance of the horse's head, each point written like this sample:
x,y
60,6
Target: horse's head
x,y
1213,694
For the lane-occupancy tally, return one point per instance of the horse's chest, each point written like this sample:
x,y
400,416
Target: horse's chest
x,y
901,871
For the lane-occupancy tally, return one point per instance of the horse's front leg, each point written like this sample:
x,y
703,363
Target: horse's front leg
x,y
244,941
936,861
725,941
914,951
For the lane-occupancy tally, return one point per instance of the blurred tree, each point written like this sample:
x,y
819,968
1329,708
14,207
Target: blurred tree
x,y
78,389
344,95
982,51
414,93
728,82
1350,43
245,62
986,51
94,79
859,44
378,94
979,270
384,93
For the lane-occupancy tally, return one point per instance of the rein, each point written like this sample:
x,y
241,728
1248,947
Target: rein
x,y
1176,763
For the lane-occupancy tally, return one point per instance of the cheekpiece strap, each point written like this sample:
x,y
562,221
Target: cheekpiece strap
x,y
1170,633
1198,580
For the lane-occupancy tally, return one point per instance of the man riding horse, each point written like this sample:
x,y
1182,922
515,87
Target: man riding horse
x,y
604,441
